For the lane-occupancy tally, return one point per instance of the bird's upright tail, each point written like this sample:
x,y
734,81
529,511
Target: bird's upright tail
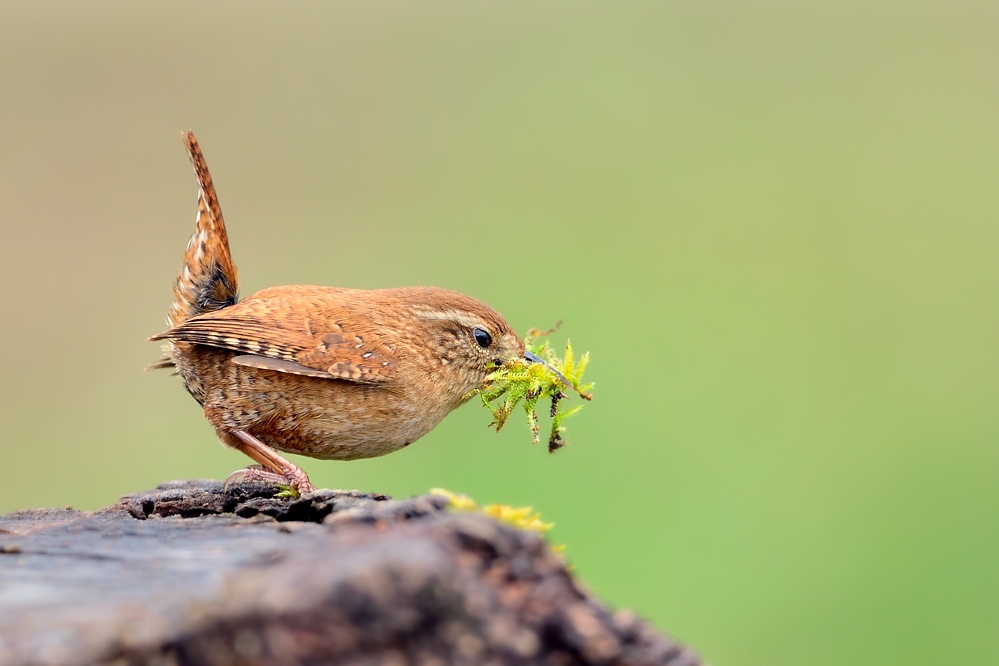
x,y
208,280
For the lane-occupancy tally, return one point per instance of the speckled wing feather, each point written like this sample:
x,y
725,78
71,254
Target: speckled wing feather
x,y
280,365
315,349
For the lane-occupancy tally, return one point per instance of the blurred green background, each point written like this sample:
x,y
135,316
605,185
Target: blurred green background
x,y
773,224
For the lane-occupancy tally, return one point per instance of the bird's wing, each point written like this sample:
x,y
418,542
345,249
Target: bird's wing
x,y
294,344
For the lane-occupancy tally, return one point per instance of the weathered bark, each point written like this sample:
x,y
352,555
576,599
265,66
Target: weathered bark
x,y
192,574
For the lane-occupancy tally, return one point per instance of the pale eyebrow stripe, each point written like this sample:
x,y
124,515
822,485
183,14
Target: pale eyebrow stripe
x,y
457,316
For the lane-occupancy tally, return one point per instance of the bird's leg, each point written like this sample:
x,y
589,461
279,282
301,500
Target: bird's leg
x,y
281,470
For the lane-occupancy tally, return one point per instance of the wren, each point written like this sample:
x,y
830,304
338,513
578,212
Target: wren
x,y
325,372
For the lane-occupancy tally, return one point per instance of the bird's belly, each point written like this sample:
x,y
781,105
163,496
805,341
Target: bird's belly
x,y
347,424
332,439
320,418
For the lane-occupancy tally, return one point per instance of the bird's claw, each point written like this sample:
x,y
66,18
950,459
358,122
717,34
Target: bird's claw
x,y
298,484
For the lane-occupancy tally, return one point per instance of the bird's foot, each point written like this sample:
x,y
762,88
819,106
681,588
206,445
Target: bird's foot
x,y
296,482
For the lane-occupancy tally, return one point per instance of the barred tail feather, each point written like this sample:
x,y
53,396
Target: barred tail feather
x,y
208,280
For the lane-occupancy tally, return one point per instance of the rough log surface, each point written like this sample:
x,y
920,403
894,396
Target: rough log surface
x,y
190,573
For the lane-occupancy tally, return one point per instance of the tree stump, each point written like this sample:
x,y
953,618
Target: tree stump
x,y
191,573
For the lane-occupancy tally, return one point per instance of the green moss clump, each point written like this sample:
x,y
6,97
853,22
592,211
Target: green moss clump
x,y
523,518
524,381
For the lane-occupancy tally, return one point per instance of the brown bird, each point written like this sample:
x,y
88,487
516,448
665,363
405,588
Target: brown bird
x,y
321,371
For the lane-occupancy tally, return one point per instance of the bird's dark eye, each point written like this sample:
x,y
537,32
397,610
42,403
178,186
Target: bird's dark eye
x,y
482,337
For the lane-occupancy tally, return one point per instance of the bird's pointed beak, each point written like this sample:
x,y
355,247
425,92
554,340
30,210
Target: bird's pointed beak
x,y
534,358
